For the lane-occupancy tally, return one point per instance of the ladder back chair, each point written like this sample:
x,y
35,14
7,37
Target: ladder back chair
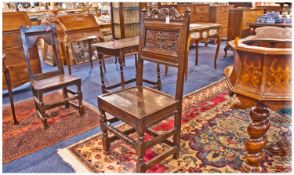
x,y
48,81
162,41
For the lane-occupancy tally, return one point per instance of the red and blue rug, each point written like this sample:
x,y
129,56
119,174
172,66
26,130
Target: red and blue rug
x,y
29,135
212,140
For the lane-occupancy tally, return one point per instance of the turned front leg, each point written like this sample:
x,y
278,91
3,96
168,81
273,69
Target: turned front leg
x,y
80,99
177,136
255,144
140,152
105,140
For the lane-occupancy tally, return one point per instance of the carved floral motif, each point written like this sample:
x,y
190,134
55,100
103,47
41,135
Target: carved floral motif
x,y
163,41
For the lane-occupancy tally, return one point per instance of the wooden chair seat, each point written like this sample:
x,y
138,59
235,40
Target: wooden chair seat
x,y
139,103
56,81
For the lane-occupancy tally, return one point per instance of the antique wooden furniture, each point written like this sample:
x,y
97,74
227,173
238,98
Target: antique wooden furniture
x,y
261,74
125,19
48,81
8,85
220,14
278,6
202,32
14,65
199,12
253,26
76,28
283,7
268,8
120,48
209,14
238,25
141,107
13,50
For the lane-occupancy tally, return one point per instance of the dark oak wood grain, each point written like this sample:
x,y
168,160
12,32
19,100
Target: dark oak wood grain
x,y
48,81
141,107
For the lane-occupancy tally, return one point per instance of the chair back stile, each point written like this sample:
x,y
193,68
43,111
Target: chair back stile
x,y
30,37
163,37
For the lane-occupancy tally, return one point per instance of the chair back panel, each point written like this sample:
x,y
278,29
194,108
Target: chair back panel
x,y
30,37
163,39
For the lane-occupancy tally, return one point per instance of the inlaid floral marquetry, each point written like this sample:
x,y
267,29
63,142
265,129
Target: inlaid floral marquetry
x,y
162,41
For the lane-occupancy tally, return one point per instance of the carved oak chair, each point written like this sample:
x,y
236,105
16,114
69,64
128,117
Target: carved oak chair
x,y
141,107
48,81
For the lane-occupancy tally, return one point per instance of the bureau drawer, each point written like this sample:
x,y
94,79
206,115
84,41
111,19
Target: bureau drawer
x,y
223,22
201,18
11,39
202,10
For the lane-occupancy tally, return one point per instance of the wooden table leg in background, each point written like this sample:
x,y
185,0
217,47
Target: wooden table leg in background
x,y
255,144
121,67
67,59
90,52
158,77
100,58
217,49
196,52
8,83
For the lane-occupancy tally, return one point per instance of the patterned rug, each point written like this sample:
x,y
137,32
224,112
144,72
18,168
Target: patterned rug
x,y
212,140
29,136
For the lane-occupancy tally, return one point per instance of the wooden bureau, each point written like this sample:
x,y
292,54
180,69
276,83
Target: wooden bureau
x,y
209,14
199,12
220,14
76,28
238,24
12,47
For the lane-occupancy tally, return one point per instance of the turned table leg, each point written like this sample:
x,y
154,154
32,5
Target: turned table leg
x,y
196,53
121,67
10,94
90,52
255,144
100,58
217,49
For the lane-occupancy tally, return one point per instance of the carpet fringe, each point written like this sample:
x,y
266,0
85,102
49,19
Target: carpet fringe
x,y
71,160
